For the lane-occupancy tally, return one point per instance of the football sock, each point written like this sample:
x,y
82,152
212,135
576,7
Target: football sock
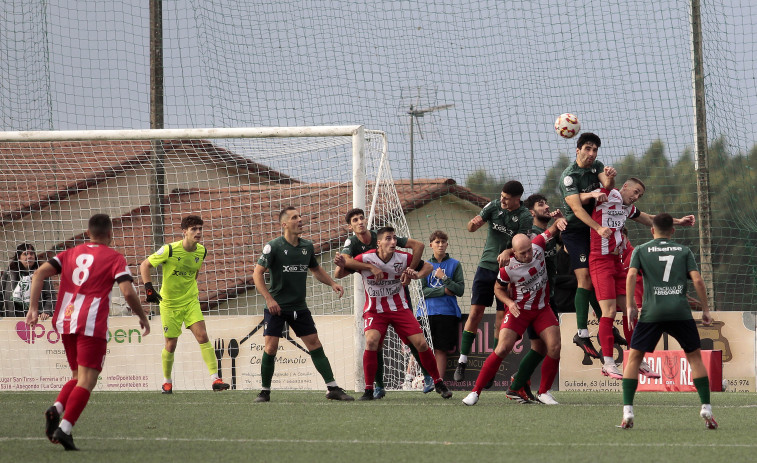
x,y
526,368
703,389
548,373
629,390
414,351
488,370
463,359
428,361
75,404
379,376
369,367
63,395
209,357
627,331
65,426
581,302
167,358
606,339
321,363
467,342
594,303
267,366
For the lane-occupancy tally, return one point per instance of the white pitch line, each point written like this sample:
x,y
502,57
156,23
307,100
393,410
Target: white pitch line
x,y
395,442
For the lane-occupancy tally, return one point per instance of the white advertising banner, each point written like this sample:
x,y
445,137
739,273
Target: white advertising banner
x,y
35,359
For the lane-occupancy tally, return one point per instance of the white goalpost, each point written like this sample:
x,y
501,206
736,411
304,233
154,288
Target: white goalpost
x,y
237,180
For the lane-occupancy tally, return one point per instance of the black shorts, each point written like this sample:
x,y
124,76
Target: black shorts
x,y
647,335
444,331
301,322
483,288
578,245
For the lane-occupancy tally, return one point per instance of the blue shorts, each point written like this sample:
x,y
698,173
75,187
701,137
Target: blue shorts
x,y
483,288
647,335
578,245
301,321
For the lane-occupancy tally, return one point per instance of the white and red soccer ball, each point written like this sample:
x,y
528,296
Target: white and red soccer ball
x,y
567,125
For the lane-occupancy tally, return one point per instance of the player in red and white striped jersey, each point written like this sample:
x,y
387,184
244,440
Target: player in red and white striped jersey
x,y
88,272
526,273
605,265
386,304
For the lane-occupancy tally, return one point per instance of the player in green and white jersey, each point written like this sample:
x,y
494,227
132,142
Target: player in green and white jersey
x,y
578,183
363,240
666,267
506,217
178,298
288,259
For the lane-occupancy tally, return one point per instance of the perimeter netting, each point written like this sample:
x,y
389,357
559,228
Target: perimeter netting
x,y
238,186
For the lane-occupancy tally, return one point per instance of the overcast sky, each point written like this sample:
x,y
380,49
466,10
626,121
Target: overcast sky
x,y
509,68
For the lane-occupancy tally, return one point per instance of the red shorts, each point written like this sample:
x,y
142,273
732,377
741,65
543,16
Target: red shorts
x,y
539,319
85,351
403,321
608,276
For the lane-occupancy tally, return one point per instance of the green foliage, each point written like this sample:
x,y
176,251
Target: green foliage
x,y
672,188
480,182
405,426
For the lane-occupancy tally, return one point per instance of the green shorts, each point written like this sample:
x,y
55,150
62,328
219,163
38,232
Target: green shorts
x,y
172,317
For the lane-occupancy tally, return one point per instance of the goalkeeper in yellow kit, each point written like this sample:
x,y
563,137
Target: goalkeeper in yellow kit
x,y
178,297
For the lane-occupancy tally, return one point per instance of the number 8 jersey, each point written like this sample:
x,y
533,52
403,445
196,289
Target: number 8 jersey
x,y
87,275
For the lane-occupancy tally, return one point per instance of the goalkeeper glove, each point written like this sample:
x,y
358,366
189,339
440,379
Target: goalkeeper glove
x,y
152,295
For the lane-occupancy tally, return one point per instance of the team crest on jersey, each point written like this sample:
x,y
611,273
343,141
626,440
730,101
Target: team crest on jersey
x,y
398,267
69,310
197,259
593,171
267,249
582,257
178,259
500,213
515,219
568,181
304,252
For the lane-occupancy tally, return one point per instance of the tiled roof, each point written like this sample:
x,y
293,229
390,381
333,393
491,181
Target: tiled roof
x,y
36,175
239,221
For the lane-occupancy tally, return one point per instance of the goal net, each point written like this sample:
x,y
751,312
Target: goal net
x,y
237,180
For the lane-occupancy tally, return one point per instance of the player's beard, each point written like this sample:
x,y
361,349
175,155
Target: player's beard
x,y
543,218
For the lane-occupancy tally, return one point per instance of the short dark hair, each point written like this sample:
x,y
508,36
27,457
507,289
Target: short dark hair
x,y
533,199
513,188
438,234
191,221
663,222
99,226
588,137
637,181
353,212
383,231
285,210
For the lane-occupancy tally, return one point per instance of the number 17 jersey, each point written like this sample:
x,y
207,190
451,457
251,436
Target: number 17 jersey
x,y
87,273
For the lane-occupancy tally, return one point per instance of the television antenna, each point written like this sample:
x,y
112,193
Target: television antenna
x,y
415,113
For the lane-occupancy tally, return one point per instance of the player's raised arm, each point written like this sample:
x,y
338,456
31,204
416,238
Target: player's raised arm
x,y
475,223
38,279
574,202
417,247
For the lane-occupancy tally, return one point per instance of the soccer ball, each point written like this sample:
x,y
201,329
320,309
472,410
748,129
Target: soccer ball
x,y
567,125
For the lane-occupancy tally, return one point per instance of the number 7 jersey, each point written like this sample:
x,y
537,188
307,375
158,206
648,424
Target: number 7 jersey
x,y
88,272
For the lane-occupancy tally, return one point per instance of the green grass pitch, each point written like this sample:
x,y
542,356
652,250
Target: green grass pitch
x,y
405,426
